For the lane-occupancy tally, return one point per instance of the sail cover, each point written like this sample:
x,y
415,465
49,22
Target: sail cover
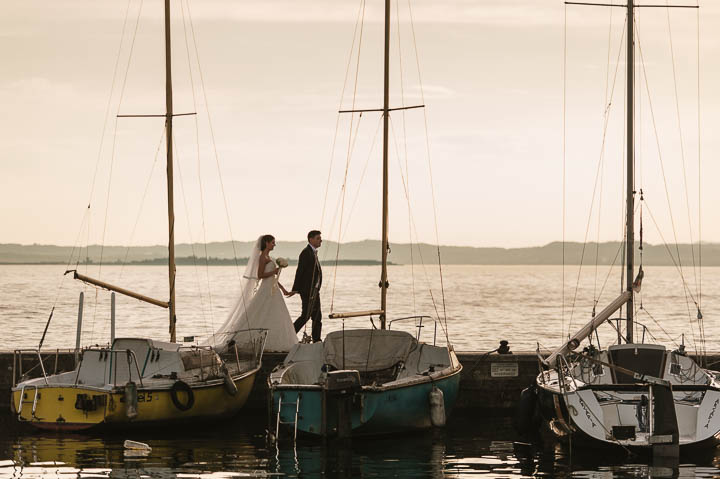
x,y
367,349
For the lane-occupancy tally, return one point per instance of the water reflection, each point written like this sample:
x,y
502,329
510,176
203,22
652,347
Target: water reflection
x,y
469,447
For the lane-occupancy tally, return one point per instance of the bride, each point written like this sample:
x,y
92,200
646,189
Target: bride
x,y
260,305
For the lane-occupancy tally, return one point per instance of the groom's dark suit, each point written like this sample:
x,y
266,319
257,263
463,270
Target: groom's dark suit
x,y
308,280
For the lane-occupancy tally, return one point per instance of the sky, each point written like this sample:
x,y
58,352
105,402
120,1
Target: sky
x,y
516,96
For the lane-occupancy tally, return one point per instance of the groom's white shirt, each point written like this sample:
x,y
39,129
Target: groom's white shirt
x,y
313,248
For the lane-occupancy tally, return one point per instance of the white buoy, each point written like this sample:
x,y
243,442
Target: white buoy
x,y
437,407
141,446
137,450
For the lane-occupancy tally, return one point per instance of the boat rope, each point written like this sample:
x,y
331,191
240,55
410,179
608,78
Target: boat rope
x,y
699,167
359,27
142,201
109,102
362,175
405,147
686,289
596,297
644,310
114,141
411,219
112,159
350,149
564,172
598,175
429,163
682,146
192,248
85,218
360,15
662,165
198,156
212,138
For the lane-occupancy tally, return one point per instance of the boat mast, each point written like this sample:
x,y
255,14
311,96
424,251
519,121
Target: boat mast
x,y
386,120
169,137
630,225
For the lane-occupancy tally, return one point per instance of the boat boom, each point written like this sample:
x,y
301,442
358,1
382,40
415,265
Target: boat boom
x,y
117,289
600,318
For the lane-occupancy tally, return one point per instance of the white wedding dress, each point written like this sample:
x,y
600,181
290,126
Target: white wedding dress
x,y
261,306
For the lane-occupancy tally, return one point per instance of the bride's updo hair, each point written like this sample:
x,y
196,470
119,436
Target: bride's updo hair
x,y
264,240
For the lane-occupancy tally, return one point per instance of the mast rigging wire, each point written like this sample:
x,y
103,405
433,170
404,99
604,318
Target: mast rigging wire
x,y
564,161
429,163
682,144
350,148
667,193
212,137
362,175
411,220
142,200
606,108
405,146
199,164
686,289
601,160
699,143
361,10
192,248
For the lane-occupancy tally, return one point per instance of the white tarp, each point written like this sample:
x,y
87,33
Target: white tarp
x,y
367,349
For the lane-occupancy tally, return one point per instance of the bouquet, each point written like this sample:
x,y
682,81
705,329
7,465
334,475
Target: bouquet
x,y
281,262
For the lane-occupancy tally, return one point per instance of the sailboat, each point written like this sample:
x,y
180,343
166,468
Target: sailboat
x,y
365,381
631,396
142,381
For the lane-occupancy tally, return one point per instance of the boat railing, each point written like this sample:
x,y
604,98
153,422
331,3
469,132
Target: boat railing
x,y
131,359
419,325
19,373
258,339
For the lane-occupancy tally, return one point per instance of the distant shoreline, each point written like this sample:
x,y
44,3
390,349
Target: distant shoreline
x,y
191,261
367,253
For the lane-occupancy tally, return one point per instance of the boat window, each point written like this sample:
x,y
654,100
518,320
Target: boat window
x,y
641,360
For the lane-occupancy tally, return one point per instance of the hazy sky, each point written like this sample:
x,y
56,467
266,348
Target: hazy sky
x,y
274,71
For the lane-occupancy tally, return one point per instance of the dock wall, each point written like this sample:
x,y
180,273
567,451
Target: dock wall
x,y
489,383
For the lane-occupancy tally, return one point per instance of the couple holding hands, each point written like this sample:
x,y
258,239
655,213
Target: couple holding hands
x,y
259,305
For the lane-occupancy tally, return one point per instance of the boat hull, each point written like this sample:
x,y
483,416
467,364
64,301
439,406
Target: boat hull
x,y
559,423
371,410
57,405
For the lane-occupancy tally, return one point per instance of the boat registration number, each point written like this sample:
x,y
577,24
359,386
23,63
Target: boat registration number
x,y
142,397
504,370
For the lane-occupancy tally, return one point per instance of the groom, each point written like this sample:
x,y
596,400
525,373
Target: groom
x,y
308,280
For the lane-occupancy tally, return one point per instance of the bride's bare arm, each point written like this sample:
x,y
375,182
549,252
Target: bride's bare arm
x,y
285,291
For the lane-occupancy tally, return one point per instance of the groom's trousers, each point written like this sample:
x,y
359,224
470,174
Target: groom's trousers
x,y
310,310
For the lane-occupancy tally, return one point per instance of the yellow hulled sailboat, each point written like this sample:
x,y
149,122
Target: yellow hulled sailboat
x,y
141,381
138,381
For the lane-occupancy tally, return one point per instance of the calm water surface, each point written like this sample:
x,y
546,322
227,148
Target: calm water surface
x,y
469,447
483,304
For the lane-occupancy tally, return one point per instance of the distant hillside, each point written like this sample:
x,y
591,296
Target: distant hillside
x,y
363,252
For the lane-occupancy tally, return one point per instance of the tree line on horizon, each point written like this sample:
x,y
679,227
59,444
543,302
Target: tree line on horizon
x,y
368,252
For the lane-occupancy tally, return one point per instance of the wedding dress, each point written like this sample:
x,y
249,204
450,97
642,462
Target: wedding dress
x,y
261,305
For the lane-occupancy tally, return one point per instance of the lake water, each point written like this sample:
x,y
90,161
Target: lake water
x,y
468,447
483,304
